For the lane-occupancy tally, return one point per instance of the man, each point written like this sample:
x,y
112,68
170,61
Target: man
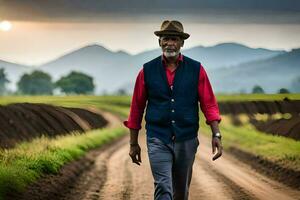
x,y
172,85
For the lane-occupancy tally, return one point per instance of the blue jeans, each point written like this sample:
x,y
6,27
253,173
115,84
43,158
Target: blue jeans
x,y
171,166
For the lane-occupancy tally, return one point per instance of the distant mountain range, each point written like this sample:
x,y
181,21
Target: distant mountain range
x,y
225,63
271,74
228,54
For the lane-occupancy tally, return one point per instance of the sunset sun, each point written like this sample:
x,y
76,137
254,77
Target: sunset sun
x,y
5,26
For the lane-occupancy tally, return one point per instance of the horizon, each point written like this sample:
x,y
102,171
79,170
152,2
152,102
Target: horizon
x,y
133,54
120,50
35,32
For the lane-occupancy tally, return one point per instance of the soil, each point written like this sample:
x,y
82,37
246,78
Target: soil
x,y
24,121
107,173
285,127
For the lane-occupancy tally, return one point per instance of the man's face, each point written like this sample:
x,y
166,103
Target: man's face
x,y
170,45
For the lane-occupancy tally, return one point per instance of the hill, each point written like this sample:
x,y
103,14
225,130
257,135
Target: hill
x,y
272,74
115,70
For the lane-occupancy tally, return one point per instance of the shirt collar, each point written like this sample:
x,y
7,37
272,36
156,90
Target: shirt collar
x,y
179,59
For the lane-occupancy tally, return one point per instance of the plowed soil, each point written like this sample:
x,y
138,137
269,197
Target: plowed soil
x,y
285,127
25,121
108,174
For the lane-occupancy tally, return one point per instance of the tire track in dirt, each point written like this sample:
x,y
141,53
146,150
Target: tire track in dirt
x,y
89,183
220,184
115,177
131,182
212,187
209,184
127,182
114,187
235,173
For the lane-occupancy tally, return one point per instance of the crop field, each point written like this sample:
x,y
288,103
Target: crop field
x,y
256,148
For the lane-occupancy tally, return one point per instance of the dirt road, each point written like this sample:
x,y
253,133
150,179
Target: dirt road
x,y
114,177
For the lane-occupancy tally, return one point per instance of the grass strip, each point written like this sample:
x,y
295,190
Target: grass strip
x,y
25,163
278,149
124,101
257,97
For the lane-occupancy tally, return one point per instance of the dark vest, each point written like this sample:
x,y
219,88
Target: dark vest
x,y
172,111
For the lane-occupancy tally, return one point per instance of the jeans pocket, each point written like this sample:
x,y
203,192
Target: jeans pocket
x,y
153,144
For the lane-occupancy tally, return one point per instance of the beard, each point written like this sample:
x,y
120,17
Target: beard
x,y
167,53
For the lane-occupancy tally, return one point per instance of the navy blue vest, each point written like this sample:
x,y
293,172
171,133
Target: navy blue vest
x,y
172,111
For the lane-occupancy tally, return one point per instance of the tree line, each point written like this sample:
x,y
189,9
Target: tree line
x,y
257,89
40,83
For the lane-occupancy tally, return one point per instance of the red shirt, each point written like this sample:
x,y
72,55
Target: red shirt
x,y
208,103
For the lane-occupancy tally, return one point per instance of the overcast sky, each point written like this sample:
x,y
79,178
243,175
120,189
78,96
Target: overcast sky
x,y
43,30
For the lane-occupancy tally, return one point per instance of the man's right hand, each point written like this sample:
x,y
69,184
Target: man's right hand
x,y
135,153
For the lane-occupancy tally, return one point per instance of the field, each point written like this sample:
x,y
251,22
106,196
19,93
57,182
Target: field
x,y
23,165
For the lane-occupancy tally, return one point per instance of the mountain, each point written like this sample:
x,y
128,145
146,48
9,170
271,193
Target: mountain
x,y
115,70
228,54
218,56
118,70
13,72
271,74
109,69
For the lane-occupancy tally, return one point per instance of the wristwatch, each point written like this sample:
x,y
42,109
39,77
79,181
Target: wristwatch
x,y
218,135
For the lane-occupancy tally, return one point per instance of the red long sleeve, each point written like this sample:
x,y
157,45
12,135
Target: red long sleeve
x,y
138,103
207,99
208,103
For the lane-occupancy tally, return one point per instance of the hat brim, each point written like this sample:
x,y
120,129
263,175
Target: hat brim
x,y
162,33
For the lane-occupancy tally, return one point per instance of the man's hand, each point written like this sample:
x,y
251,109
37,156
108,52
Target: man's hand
x,y
216,143
135,153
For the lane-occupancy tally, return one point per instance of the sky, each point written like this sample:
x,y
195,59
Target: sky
x,y
44,30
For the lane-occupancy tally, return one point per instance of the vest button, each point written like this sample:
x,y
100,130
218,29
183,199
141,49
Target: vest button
x,y
173,121
172,100
173,110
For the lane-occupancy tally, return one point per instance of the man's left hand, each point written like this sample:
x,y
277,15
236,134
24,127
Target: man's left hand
x,y
216,143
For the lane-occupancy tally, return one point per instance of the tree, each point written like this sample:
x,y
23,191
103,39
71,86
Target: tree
x,y
3,81
121,92
257,90
36,83
283,91
76,82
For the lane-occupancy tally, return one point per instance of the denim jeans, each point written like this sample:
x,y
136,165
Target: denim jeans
x,y
171,166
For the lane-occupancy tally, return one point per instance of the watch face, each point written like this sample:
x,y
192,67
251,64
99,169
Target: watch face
x,y
218,135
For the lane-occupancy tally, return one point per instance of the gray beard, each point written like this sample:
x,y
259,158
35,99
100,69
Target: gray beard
x,y
171,54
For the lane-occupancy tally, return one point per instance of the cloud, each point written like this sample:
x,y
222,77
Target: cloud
x,y
204,11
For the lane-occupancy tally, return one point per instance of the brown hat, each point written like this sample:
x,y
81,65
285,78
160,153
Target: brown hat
x,y
172,28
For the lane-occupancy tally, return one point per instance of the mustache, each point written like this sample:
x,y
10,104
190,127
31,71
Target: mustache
x,y
170,49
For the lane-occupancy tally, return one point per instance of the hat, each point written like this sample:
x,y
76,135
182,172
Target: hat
x,y
172,28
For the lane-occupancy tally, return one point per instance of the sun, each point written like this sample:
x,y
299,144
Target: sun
x,y
5,26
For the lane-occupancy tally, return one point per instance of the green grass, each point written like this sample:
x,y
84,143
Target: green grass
x,y
281,150
256,97
26,162
124,101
